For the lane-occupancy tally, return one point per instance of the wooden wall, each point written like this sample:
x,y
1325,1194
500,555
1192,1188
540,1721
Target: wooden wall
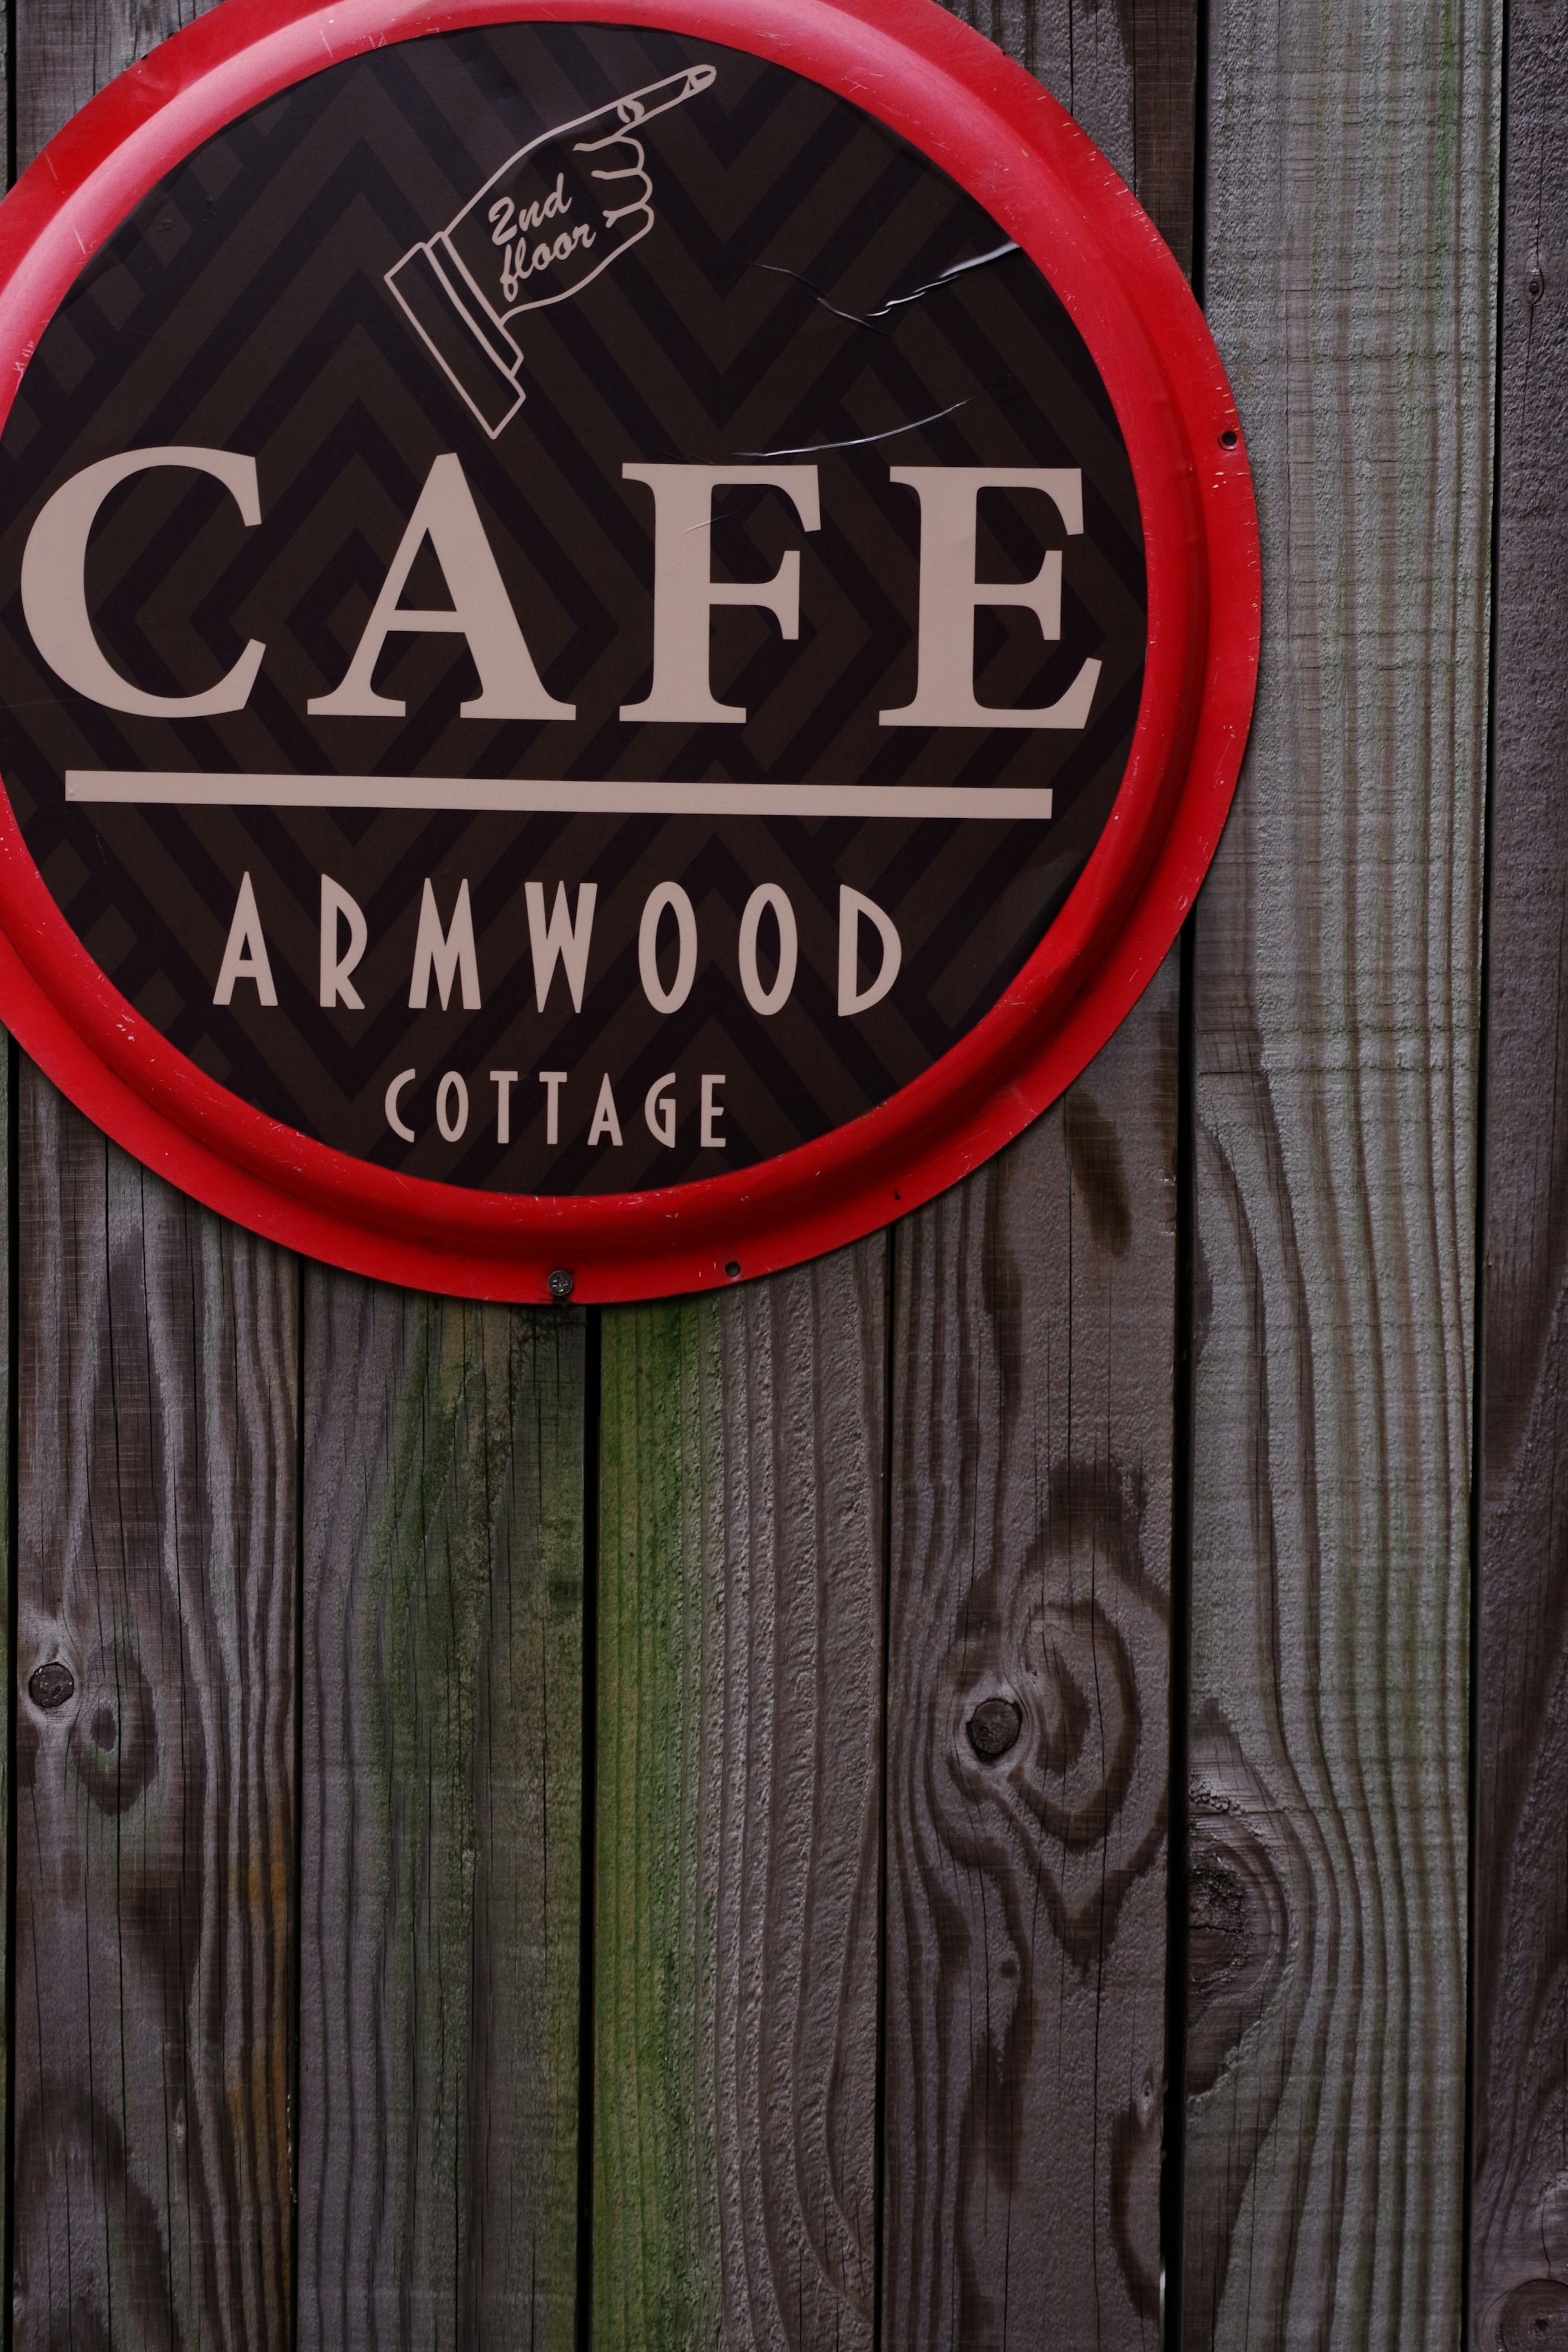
x,y
1352,196
954,1798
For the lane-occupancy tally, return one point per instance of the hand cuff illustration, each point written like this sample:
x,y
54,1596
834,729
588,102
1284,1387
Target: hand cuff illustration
x,y
542,227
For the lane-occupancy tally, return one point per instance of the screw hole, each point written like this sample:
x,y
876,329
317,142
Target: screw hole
x,y
733,1268
1230,437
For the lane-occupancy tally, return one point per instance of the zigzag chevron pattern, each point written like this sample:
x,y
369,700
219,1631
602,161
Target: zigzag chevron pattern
x,y
774,308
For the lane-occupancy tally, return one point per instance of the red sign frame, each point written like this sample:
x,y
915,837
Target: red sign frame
x,y
1009,145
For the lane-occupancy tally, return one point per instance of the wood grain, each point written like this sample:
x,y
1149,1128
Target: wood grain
x,y
66,50
440,1899
154,1799
1351,224
738,1848
1519,2262
1027,1727
1128,72
155,1553
1034,1347
8,1408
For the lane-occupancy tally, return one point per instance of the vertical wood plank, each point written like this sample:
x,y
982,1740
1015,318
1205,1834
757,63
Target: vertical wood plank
x,y
66,50
155,1757
151,2184
439,1948
736,1858
1029,1642
1128,73
1027,1727
1519,2262
7,1400
7,1408
1352,227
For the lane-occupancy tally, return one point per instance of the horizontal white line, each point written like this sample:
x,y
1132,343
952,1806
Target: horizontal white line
x,y
512,796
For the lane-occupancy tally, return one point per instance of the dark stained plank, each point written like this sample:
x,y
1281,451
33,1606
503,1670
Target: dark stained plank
x,y
1353,157
66,50
440,1864
1160,42
740,1569
1519,2259
155,1822
7,1406
1033,1347
1126,70
1029,1727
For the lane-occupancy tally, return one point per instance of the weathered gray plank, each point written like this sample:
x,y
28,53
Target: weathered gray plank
x,y
154,1823
1027,1727
66,50
1034,1344
439,1887
1519,2262
1351,224
740,1694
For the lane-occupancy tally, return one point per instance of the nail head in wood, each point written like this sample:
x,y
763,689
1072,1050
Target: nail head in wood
x,y
993,1727
50,1684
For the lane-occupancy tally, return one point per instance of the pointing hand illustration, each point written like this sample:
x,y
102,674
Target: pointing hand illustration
x,y
556,213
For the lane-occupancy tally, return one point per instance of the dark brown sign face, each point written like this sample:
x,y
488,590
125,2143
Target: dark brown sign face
x,y
571,609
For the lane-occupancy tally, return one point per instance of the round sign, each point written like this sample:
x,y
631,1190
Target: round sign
x,y
624,630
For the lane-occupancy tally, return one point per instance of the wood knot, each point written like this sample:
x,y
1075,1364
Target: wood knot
x,y
1094,1155
993,1727
50,1684
114,1739
1238,1934
1534,2316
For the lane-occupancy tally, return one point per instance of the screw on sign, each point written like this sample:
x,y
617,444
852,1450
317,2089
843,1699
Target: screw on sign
x,y
618,657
